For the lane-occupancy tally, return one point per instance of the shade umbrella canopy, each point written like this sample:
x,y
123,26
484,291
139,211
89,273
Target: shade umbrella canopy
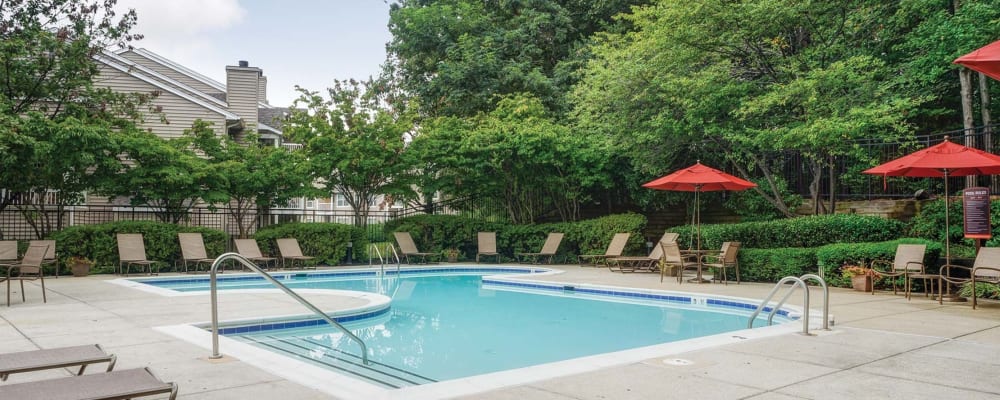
x,y
986,59
699,178
945,159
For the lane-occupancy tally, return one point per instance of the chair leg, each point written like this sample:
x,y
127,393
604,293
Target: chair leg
x,y
8,293
22,290
44,300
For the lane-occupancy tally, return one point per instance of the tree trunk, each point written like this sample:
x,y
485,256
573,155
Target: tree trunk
x,y
832,164
968,122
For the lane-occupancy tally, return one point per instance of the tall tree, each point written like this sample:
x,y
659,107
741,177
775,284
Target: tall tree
x,y
354,141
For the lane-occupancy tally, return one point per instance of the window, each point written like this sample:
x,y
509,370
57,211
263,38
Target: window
x,y
311,203
341,200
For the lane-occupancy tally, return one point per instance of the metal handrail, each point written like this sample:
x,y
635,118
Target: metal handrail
x,y
376,251
253,267
396,256
805,300
826,297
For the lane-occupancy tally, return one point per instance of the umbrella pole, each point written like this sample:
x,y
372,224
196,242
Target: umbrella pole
x,y
947,221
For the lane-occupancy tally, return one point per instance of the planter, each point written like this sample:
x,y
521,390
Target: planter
x,y
862,283
80,269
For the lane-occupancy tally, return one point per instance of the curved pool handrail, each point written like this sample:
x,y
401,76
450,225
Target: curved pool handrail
x,y
805,300
253,267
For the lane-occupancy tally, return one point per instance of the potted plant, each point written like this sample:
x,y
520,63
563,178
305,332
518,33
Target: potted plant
x,y
451,255
861,277
79,265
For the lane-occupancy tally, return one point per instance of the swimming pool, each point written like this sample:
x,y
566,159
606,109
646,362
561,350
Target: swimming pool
x,y
451,323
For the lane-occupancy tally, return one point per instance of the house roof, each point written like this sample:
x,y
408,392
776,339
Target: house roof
x,y
149,72
112,61
183,70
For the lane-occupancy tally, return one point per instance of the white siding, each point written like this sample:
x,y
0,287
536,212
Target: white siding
x,y
169,72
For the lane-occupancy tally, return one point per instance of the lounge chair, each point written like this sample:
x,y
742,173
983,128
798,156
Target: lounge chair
x,y
909,261
986,269
726,259
672,257
29,269
487,245
193,250
615,249
290,250
549,248
648,263
248,248
62,357
122,384
8,253
132,251
409,248
50,254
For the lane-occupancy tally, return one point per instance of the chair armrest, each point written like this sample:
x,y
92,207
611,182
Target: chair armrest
x,y
991,278
945,273
881,262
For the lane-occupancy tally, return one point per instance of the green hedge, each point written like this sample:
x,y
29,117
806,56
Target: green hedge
x,y
98,242
799,232
770,265
434,233
832,257
325,241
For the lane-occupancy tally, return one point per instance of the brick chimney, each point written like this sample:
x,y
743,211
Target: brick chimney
x,y
243,92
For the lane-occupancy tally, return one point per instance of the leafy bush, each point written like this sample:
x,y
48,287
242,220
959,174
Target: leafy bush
x,y
751,206
799,232
325,241
770,265
434,233
832,257
98,242
983,290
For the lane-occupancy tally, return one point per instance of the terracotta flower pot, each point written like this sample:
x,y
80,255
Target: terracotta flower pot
x,y
80,269
862,283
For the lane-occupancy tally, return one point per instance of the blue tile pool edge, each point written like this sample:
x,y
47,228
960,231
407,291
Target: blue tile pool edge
x,y
741,305
241,328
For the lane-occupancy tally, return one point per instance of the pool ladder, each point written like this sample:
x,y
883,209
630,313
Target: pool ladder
x,y
801,283
253,267
373,250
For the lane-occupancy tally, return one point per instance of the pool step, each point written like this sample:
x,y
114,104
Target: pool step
x,y
346,363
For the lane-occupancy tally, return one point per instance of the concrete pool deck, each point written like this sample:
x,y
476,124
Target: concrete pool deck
x,y
881,347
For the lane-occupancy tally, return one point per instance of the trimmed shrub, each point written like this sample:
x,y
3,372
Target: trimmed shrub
x,y
832,257
434,233
98,242
770,265
799,232
325,241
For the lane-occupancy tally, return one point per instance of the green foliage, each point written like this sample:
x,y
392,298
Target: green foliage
x,y
831,257
353,142
929,223
325,241
809,231
98,242
254,176
434,233
770,265
751,206
983,290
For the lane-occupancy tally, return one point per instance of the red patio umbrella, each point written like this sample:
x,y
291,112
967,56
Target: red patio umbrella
x,y
986,59
945,159
699,178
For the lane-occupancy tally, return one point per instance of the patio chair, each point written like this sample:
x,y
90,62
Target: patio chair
x,y
193,250
122,384
648,263
986,269
132,251
726,259
487,245
409,248
62,357
29,269
672,257
549,249
8,253
290,250
909,262
248,248
615,249
50,254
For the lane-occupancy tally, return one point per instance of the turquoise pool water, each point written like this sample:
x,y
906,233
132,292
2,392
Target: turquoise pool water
x,y
446,326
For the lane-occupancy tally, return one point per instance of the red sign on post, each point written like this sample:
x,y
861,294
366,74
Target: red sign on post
x,y
976,206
